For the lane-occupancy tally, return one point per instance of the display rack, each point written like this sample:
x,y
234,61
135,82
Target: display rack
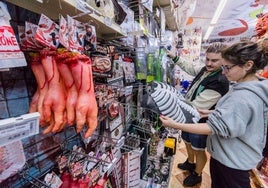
x,y
144,127
53,9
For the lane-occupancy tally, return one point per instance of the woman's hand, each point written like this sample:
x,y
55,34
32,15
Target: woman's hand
x,y
168,122
204,113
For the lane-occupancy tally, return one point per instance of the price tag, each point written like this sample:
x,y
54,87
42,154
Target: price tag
x,y
14,129
128,90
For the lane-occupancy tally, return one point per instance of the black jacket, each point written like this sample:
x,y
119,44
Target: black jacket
x,y
215,81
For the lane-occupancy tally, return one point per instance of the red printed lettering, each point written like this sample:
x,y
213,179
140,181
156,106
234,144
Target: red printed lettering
x,y
8,41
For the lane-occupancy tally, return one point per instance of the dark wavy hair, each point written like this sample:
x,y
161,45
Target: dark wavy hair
x,y
242,52
216,47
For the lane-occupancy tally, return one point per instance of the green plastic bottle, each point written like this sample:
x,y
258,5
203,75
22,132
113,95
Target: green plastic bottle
x,y
159,74
150,67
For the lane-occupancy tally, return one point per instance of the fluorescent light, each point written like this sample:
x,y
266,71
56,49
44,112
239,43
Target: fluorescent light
x,y
218,12
209,30
215,18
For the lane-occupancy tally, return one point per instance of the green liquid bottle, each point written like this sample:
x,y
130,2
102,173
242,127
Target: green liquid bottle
x,y
150,67
159,66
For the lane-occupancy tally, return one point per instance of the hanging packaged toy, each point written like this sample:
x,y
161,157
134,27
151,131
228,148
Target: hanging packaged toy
x,y
47,32
117,72
90,39
63,33
129,70
76,32
22,39
102,63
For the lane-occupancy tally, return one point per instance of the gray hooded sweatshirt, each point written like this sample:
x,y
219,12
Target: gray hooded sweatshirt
x,y
239,125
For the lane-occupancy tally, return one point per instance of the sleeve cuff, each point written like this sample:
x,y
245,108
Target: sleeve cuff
x,y
175,59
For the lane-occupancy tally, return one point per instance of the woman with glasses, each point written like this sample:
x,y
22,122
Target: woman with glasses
x,y
237,128
208,86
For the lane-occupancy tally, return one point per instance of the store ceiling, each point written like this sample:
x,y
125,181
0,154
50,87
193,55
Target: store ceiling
x,y
238,18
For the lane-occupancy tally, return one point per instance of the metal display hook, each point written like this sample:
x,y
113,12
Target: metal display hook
x,y
136,3
31,179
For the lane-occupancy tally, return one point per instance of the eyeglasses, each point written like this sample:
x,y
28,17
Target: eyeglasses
x,y
227,68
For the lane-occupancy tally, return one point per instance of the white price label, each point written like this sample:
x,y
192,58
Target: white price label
x,y
128,90
14,129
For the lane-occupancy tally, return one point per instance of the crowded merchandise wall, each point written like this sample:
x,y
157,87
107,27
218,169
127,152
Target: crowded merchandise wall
x,y
82,85
116,143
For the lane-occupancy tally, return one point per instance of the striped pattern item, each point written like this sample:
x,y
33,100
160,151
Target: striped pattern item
x,y
168,101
